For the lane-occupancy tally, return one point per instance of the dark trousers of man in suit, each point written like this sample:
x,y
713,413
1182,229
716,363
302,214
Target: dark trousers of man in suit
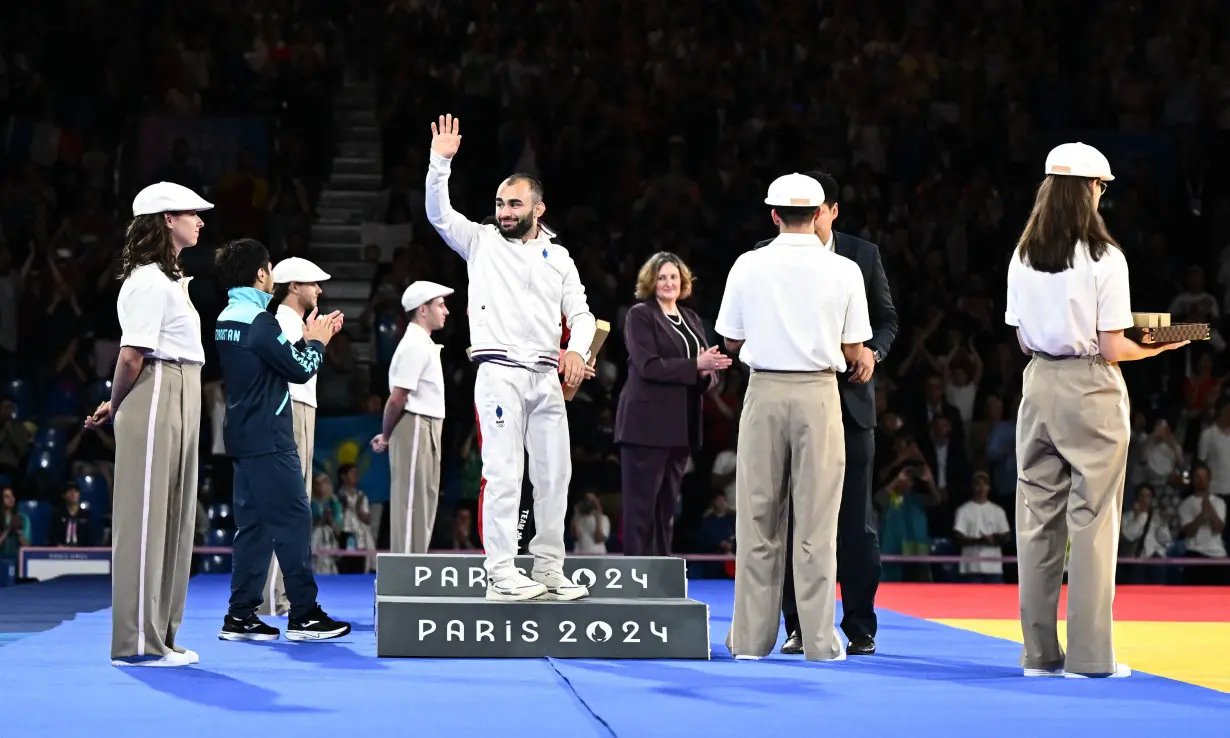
x,y
858,544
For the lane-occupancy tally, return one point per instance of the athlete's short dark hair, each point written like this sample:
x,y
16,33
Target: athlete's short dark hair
x,y
536,191
238,262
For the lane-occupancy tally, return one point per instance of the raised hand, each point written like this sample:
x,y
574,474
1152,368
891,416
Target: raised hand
x,y
446,136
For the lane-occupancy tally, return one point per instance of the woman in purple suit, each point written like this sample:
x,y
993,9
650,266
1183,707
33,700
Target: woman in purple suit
x,y
658,423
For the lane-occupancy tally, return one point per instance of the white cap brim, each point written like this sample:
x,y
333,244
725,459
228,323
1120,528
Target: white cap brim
x,y
296,269
421,293
168,197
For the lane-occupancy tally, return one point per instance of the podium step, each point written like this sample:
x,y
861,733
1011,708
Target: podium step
x,y
463,575
464,627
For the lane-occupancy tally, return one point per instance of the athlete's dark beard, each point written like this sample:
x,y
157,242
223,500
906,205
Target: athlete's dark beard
x,y
518,229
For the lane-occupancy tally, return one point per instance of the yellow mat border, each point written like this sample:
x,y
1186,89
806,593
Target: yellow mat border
x,y
1195,653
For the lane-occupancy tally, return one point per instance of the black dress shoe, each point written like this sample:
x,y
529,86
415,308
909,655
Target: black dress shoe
x,y
793,644
861,646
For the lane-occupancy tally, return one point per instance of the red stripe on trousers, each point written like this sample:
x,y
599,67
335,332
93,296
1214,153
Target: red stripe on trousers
x,y
482,484
565,334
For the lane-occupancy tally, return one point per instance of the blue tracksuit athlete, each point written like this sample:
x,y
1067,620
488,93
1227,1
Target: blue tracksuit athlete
x,y
271,513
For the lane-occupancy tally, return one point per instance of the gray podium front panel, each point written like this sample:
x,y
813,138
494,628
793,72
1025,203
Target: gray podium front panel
x,y
463,575
464,627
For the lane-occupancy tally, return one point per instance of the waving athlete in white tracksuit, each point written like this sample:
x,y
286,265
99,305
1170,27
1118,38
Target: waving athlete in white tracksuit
x,y
520,285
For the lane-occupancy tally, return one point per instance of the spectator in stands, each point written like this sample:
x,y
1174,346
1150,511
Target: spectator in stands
x,y
1144,534
962,372
1201,388
982,530
14,526
1202,520
993,447
590,526
722,476
326,524
1163,457
71,526
945,456
463,537
717,528
904,502
1214,451
935,403
1194,304
356,512
15,441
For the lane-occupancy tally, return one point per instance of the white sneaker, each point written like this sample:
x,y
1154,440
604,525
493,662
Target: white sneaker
x,y
841,641
559,587
515,587
193,656
171,659
1121,671
1057,672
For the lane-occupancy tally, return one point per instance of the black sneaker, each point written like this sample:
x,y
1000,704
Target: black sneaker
x,y
316,626
251,629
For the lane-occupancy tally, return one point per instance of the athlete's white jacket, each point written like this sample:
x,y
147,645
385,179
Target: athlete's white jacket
x,y
518,291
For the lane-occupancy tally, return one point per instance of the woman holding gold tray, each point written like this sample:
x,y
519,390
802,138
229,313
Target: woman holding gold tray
x,y
1069,301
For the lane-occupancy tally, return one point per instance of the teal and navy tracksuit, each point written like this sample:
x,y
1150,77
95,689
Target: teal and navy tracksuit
x,y
271,513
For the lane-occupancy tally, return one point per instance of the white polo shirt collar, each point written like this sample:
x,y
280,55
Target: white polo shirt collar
x,y
797,239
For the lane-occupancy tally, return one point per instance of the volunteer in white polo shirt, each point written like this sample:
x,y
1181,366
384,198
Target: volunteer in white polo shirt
x,y
413,419
295,294
1068,300
156,406
796,313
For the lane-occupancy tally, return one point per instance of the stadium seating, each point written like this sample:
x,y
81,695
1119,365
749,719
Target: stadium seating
x,y
94,491
39,513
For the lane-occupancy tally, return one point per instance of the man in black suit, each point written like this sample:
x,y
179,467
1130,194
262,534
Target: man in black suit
x,y
858,545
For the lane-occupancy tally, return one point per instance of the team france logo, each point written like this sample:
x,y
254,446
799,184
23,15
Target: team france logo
x,y
499,416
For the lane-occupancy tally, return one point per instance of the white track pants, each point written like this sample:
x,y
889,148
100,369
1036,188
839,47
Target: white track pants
x,y
519,410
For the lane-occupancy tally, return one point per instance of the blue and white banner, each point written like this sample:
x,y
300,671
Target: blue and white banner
x,y
347,440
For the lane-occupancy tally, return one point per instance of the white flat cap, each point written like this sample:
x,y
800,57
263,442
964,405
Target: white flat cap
x,y
295,269
1078,160
795,191
168,197
421,293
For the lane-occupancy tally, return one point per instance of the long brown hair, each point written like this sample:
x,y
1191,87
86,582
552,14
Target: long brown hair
x,y
148,241
1063,214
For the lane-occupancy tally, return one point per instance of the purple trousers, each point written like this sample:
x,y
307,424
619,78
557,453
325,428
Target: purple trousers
x,y
651,479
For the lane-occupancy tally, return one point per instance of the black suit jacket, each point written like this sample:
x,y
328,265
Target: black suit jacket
x,y
661,403
57,529
858,401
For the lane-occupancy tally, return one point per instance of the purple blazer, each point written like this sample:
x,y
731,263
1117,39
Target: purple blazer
x,y
661,403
